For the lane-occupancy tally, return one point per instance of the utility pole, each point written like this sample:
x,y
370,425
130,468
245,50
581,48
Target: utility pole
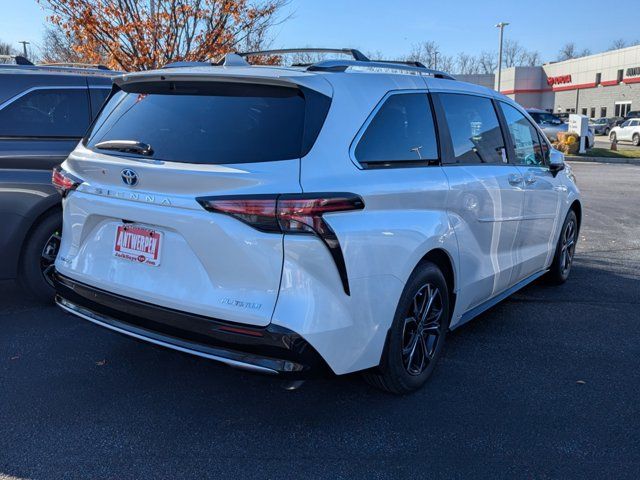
x,y
24,47
501,26
435,59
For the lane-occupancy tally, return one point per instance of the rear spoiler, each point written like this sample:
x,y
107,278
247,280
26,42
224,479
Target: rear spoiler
x,y
295,80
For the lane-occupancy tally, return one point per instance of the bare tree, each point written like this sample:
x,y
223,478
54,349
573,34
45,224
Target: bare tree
x,y
58,46
530,59
488,62
467,64
617,44
429,54
569,51
512,51
6,49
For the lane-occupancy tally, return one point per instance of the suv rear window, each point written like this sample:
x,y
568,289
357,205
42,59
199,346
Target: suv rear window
x,y
213,122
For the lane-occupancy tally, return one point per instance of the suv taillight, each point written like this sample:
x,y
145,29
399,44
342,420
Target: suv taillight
x,y
64,181
293,214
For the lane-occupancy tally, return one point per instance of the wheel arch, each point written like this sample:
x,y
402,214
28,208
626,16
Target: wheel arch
x,y
57,207
576,206
443,260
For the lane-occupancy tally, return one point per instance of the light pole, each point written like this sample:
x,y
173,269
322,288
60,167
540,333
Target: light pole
x,y
24,47
501,26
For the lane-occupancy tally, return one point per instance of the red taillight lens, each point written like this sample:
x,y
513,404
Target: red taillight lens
x,y
259,212
291,213
299,214
63,181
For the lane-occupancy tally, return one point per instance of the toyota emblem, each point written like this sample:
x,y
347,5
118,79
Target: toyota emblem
x,y
129,177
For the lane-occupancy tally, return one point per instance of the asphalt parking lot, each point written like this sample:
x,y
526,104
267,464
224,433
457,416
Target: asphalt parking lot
x,y
545,385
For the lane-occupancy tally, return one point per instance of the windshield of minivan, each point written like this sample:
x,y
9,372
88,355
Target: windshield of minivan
x,y
209,123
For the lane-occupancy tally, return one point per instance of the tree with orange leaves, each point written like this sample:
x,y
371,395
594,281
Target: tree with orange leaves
x,y
144,34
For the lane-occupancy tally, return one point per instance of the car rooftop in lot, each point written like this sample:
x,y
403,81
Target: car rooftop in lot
x,y
44,112
340,216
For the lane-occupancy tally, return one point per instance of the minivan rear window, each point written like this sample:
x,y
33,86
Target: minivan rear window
x,y
213,122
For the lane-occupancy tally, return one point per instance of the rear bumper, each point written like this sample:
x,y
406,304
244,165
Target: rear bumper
x,y
272,350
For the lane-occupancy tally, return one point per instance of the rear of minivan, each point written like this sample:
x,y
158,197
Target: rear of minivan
x,y
176,207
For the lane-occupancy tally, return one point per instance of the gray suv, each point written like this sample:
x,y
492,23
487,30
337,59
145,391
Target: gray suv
x,y
44,112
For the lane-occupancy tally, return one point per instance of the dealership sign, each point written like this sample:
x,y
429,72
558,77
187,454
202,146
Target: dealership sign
x,y
633,72
559,80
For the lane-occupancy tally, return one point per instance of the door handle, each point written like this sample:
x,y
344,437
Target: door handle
x,y
515,179
530,179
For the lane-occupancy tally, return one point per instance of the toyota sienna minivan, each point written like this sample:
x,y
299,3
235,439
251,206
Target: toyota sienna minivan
x,y
341,216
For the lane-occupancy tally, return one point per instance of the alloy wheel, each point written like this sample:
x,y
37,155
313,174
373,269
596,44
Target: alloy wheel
x,y
422,329
48,256
568,246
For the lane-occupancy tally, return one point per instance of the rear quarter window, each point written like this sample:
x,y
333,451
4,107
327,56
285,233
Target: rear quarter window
x,y
214,123
401,131
46,112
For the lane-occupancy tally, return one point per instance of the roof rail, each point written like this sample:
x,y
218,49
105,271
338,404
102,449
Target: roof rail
x,y
74,65
356,54
411,63
186,64
343,65
19,59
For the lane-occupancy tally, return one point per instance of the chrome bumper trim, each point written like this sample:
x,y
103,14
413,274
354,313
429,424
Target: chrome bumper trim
x,y
103,322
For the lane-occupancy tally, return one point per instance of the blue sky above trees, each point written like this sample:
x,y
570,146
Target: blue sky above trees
x,y
393,27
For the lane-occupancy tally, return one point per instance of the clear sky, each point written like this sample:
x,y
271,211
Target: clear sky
x,y
391,27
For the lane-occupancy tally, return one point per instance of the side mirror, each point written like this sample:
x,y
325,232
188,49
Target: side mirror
x,y
556,162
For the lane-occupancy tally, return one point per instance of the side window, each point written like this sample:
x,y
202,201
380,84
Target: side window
x,y
524,136
474,128
402,130
98,96
54,112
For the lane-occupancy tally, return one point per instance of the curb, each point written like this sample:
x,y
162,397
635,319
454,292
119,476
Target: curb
x,y
628,161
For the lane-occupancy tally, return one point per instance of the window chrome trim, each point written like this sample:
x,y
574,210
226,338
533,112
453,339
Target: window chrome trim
x,y
391,163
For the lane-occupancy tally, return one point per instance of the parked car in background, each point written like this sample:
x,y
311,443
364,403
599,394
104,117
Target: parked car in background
x,y
632,114
629,131
294,220
44,112
602,126
551,125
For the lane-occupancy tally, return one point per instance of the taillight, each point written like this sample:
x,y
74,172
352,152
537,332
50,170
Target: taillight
x,y
292,214
64,181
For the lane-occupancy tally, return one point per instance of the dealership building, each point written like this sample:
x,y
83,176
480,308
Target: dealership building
x,y
602,85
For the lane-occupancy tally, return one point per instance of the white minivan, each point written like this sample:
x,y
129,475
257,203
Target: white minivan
x,y
341,216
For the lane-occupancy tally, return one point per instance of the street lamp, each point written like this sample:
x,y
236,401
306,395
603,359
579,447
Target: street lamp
x,y
501,26
24,47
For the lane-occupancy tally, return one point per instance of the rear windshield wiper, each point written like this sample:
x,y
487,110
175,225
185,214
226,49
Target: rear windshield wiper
x,y
127,146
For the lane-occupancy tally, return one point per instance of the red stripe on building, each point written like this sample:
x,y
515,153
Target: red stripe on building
x,y
511,92
609,83
631,80
574,87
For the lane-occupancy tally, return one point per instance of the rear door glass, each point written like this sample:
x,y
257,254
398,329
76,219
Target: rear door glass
x,y
475,132
211,122
49,113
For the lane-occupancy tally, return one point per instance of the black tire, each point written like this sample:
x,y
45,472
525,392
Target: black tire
x,y
565,250
401,370
38,253
636,140
606,131
612,136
